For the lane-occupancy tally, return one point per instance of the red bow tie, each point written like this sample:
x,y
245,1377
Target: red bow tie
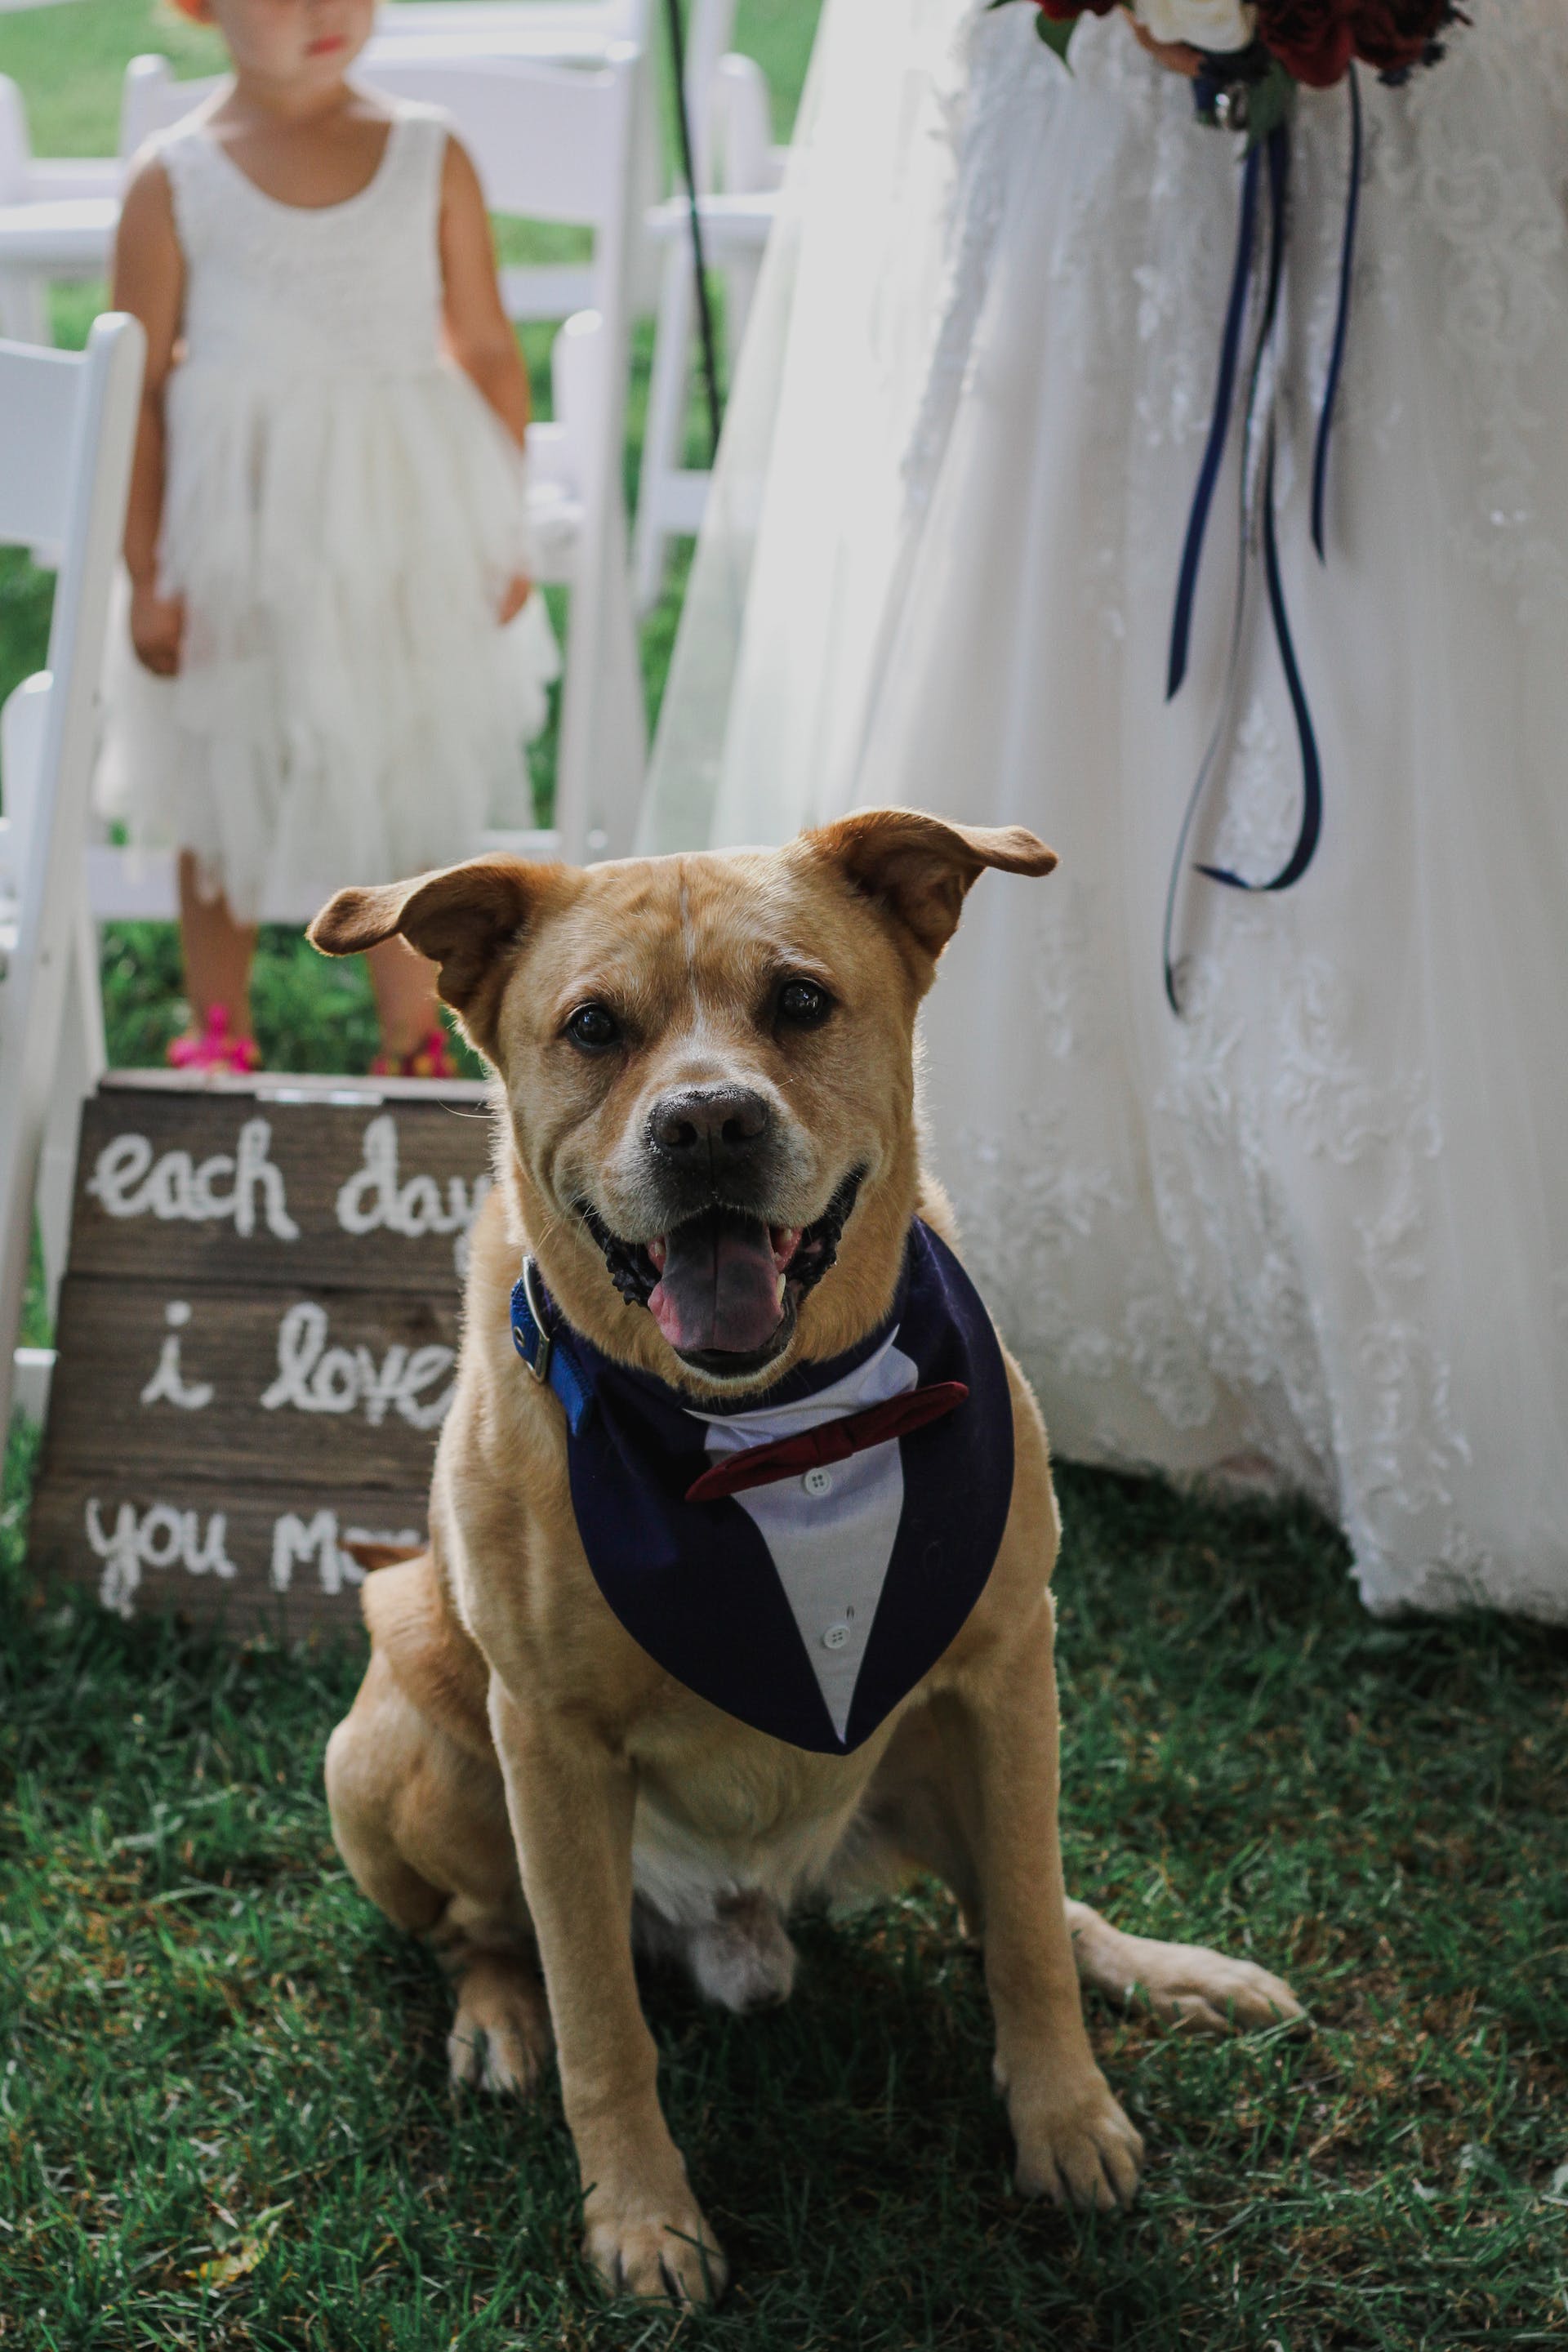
x,y
830,1441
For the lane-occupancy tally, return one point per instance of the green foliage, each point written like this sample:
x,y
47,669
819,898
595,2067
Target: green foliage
x,y
1055,33
1057,36
1270,103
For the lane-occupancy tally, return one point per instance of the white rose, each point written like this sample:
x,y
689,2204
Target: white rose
x,y
1217,25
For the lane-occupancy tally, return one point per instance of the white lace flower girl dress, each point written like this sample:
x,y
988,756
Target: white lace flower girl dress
x,y
1314,1230
343,512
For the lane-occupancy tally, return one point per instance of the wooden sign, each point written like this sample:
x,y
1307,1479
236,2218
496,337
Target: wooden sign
x,y
256,1338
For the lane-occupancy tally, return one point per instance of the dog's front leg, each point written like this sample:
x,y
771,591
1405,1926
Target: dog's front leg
x,y
1075,2145
571,1803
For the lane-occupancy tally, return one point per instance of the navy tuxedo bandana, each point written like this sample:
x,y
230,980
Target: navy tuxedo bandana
x,y
812,1600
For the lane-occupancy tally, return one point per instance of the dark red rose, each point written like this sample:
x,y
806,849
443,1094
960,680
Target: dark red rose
x,y
1062,12
1313,39
1394,34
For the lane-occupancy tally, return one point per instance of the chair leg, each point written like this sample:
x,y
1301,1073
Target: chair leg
x,y
603,729
664,432
82,1061
623,735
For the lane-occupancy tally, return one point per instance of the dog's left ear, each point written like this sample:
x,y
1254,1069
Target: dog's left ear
x,y
920,869
469,919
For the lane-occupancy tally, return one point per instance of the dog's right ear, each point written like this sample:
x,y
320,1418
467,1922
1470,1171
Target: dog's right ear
x,y
469,919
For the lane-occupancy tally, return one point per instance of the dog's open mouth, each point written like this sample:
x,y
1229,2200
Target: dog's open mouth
x,y
725,1287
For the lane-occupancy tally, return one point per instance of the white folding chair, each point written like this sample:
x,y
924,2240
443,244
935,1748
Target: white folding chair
x,y
738,172
56,220
68,424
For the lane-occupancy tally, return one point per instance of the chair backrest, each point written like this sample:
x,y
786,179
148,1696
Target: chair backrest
x,y
708,28
65,469
152,101
550,143
65,457
745,113
15,147
40,399
555,28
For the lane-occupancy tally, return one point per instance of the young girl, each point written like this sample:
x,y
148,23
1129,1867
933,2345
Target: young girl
x,y
337,659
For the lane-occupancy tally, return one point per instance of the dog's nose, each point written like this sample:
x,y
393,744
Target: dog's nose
x,y
723,1126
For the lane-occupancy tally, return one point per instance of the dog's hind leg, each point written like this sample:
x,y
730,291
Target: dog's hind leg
x,y
920,1815
421,1824
500,2038
917,1816
1202,1991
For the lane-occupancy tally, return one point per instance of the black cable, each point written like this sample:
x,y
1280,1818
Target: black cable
x,y
699,266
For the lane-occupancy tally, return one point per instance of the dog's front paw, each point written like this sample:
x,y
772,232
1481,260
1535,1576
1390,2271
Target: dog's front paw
x,y
663,2250
1076,2148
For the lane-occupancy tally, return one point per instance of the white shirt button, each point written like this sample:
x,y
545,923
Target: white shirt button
x,y
835,1637
818,1481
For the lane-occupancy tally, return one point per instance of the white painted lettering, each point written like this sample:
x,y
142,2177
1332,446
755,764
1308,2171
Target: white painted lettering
x,y
207,1557
121,1559
425,1366
163,1537
206,1202
374,1199
314,1377
158,1540
169,1382
167,1191
118,1171
130,1184
296,1541
253,1168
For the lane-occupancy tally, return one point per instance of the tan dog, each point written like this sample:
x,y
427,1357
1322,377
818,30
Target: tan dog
x,y
700,1059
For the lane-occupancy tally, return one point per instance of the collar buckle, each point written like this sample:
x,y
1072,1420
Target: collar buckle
x,y
538,1363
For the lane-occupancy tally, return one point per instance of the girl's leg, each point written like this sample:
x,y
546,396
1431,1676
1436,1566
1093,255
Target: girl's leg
x,y
405,999
217,953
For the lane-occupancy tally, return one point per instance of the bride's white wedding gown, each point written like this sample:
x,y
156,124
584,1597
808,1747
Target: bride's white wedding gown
x,y
1315,1230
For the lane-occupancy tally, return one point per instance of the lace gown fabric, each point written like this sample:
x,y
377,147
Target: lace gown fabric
x,y
343,512
1315,1232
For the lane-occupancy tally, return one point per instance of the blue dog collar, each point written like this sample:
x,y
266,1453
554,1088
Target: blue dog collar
x,y
546,1352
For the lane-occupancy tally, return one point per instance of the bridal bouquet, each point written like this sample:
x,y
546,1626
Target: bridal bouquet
x,y
1252,51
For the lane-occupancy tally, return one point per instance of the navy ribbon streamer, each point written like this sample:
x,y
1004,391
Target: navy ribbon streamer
x,y
1271,154
1341,323
1219,426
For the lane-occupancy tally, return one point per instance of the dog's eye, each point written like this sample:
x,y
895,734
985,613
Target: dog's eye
x,y
593,1028
803,1005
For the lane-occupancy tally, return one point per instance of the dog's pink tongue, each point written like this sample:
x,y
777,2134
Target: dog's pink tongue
x,y
718,1286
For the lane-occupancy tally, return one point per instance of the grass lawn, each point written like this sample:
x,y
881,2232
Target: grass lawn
x,y
223,2114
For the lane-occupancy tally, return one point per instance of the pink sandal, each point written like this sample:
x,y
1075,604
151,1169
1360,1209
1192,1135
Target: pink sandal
x,y
216,1048
432,1058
